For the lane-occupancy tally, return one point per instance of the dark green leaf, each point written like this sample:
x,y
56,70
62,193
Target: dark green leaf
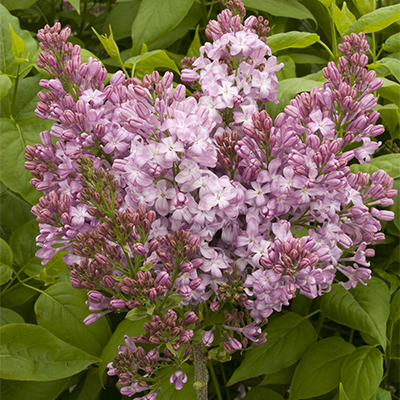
x,y
287,90
6,262
18,295
390,115
394,308
365,308
61,310
195,45
19,390
258,393
292,8
15,211
155,18
382,394
291,39
318,372
391,279
391,91
31,353
8,316
53,268
392,64
289,337
376,21
362,372
91,386
8,65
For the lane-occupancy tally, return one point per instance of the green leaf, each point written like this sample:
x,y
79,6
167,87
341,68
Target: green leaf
x,y
76,4
61,310
172,302
394,308
326,3
365,308
258,393
318,372
53,268
31,353
14,138
136,314
19,390
18,46
382,394
121,18
287,90
110,350
392,64
17,5
304,58
8,316
18,295
391,91
376,21
292,39
292,8
392,43
23,245
5,85
148,62
194,48
109,45
6,262
90,388
362,372
342,393
390,115
282,377
288,71
15,211
155,18
391,279
365,6
8,65
289,337
344,18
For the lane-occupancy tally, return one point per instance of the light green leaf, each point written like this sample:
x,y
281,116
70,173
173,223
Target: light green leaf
x,y
382,394
326,3
194,47
390,90
318,372
365,6
76,4
365,308
136,314
362,372
292,39
391,63
109,45
289,337
5,273
155,18
8,65
61,310
258,393
5,85
8,316
287,90
292,8
125,327
53,268
17,5
392,44
288,71
304,58
31,353
23,390
376,21
344,18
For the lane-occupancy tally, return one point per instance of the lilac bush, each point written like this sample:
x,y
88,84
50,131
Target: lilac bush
x,y
169,205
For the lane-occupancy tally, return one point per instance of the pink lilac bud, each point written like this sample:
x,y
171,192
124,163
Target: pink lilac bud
x,y
91,319
119,304
208,338
214,306
191,318
139,249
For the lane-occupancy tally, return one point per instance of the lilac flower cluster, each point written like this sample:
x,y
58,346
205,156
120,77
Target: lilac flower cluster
x,y
163,201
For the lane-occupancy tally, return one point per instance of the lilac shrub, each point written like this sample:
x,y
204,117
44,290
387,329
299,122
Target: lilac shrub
x,y
168,204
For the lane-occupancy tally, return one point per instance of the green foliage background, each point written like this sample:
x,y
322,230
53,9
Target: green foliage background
x,y
343,346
